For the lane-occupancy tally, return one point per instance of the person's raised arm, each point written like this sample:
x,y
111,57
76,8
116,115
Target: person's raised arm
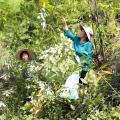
x,y
65,24
67,32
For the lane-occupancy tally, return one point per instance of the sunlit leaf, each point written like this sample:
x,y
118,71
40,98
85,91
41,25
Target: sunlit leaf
x,y
107,72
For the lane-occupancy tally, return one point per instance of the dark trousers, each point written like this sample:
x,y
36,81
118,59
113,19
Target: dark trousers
x,y
82,75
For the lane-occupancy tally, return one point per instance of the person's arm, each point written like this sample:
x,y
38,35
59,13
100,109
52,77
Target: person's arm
x,y
65,24
67,32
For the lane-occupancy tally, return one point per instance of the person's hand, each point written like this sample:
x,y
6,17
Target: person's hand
x,y
64,20
64,23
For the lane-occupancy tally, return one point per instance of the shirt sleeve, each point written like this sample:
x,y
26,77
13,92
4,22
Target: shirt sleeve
x,y
69,34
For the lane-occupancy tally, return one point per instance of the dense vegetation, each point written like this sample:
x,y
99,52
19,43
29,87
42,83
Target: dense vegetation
x,y
22,27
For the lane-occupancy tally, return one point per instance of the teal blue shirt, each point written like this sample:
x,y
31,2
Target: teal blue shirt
x,y
81,49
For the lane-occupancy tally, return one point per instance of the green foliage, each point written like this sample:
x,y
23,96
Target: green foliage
x,y
53,62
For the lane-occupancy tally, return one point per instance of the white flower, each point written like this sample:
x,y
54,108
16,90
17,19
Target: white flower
x,y
38,17
6,93
28,87
79,119
49,91
2,104
32,68
41,85
33,101
42,17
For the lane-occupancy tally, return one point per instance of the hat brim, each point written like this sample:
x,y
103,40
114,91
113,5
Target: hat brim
x,y
88,35
84,28
28,50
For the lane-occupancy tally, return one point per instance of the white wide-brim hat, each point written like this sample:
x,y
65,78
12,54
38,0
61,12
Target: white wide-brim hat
x,y
89,33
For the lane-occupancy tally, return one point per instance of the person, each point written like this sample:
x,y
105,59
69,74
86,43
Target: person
x,y
83,47
29,68
25,56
